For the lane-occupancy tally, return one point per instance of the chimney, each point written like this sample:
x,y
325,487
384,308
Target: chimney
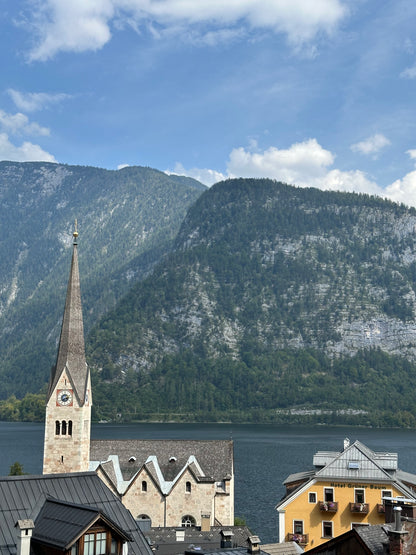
x,y
346,443
253,544
226,539
25,529
396,535
205,523
180,534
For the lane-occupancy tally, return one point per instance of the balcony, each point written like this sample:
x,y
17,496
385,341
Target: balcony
x,y
362,508
301,539
381,509
328,506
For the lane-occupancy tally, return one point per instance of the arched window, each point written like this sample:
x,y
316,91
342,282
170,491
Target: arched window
x,y
143,517
57,428
188,521
70,427
188,487
144,485
63,427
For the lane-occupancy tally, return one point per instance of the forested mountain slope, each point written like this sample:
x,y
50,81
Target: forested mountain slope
x,y
127,220
275,297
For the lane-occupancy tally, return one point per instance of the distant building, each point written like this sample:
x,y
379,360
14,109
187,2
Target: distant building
x,y
345,490
170,483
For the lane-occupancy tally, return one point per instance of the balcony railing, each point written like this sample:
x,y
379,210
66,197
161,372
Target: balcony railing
x,y
381,509
328,506
301,539
359,508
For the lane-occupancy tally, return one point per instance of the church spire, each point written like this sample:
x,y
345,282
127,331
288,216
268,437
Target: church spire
x,y
71,352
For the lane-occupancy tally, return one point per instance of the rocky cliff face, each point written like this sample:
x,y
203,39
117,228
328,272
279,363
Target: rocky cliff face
x,y
261,265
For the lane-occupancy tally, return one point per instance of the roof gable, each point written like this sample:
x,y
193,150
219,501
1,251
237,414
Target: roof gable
x,y
356,461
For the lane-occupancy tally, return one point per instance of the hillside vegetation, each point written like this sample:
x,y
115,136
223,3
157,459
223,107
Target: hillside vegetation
x,y
127,220
277,304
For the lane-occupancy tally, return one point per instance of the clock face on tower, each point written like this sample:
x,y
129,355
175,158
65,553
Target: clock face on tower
x,y
64,397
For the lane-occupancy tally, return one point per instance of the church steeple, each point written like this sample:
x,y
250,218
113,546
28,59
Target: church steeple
x,y
68,406
71,352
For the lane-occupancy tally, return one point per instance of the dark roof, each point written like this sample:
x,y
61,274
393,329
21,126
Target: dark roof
x,y
215,457
164,539
61,524
22,497
374,537
71,352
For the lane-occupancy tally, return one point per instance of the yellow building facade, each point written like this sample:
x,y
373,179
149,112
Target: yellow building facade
x,y
344,490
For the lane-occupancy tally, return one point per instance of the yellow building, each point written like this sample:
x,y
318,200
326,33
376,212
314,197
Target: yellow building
x,y
344,490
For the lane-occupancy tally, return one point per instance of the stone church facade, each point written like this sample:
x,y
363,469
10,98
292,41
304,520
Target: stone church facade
x,y
169,482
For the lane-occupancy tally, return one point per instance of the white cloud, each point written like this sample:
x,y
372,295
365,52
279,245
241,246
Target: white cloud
x,y
31,102
371,145
305,164
412,153
301,163
409,72
205,176
82,25
122,166
19,124
403,190
27,152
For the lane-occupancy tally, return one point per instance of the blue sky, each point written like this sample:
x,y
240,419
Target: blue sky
x,y
310,92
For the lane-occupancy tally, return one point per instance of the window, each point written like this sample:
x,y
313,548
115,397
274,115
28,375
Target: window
x,y
359,495
74,549
144,485
57,428
95,543
63,428
188,487
358,524
188,521
70,428
327,529
312,497
386,493
328,494
298,526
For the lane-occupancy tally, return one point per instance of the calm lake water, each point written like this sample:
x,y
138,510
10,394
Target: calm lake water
x,y
264,455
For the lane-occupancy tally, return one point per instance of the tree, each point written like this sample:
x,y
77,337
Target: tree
x,y
16,469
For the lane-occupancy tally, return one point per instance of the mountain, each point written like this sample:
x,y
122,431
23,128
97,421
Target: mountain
x,y
127,220
276,302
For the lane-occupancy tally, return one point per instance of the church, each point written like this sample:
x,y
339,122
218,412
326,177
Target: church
x,y
167,482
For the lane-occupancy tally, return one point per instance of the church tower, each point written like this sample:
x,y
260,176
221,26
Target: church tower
x,y
68,406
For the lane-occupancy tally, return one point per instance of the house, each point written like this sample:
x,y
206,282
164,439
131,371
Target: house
x,y
172,483
344,490
396,538
71,514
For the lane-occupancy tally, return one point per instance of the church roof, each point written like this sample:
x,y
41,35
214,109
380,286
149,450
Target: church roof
x,y
165,460
23,497
71,352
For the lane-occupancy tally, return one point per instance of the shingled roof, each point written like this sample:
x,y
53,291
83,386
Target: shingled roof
x,y
71,353
165,459
22,497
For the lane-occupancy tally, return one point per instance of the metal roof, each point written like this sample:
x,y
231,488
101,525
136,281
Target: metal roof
x,y
61,524
22,497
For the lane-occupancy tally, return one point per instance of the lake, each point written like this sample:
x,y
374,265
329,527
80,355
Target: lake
x,y
264,455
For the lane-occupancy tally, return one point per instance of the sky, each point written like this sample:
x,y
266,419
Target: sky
x,y
317,93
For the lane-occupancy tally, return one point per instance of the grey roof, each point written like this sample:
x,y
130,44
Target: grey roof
x,y
285,548
22,497
214,457
374,537
61,524
71,352
164,539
